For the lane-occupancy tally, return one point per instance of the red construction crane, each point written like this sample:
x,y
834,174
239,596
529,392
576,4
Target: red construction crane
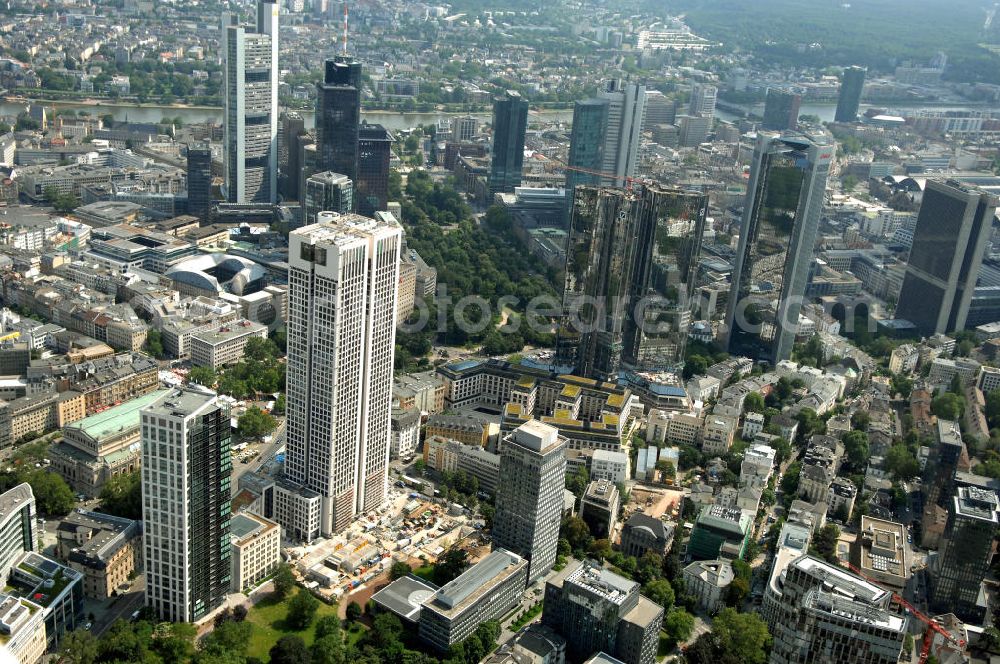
x,y
932,625
629,180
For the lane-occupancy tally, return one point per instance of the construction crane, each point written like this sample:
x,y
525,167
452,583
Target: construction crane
x,y
932,625
628,179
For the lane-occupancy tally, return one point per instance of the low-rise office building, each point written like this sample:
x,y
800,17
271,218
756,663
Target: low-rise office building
x,y
720,532
224,345
105,549
486,591
596,610
256,545
708,582
22,629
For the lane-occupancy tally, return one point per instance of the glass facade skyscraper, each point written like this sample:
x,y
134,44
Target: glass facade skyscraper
x,y
631,263
338,116
186,498
605,136
374,153
952,232
965,553
780,218
510,122
851,86
199,181
781,110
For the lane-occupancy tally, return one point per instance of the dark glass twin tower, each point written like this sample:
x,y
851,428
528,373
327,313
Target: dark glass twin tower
x,y
631,268
781,215
344,144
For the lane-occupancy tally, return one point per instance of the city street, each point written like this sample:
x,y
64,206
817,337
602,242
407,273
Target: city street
x,y
121,607
266,454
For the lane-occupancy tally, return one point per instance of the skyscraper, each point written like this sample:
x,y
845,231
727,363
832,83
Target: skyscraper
x,y
374,153
952,231
327,192
510,122
289,167
781,110
338,114
251,108
199,181
665,282
965,554
703,97
343,275
626,104
529,499
851,86
586,143
631,259
605,135
604,245
305,145
186,470
780,219
658,110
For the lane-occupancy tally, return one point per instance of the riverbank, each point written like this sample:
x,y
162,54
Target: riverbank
x,y
194,114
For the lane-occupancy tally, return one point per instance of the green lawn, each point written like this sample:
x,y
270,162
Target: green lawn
x,y
425,572
268,618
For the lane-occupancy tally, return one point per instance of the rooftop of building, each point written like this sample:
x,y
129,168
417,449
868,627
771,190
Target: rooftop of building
x,y
537,436
228,332
841,580
977,503
949,432
645,612
726,518
106,534
846,609
405,596
181,402
602,582
601,491
882,547
15,499
116,419
245,526
603,658
655,527
109,209
340,229
45,580
470,423
718,573
480,579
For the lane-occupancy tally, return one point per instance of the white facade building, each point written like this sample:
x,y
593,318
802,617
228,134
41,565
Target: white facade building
x,y
343,275
186,470
251,107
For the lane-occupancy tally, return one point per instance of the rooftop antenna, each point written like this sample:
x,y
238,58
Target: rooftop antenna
x,y
345,28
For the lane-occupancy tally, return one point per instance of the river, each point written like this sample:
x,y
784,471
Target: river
x,y
391,120
826,111
397,120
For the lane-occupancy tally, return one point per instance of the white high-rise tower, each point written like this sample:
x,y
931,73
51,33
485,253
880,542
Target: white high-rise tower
x,y
251,107
626,105
342,277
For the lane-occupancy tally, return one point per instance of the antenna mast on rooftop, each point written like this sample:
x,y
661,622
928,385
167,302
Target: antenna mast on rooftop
x,y
345,28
